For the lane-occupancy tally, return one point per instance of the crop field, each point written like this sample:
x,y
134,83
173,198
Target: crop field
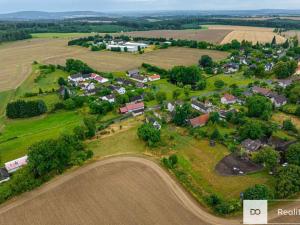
x,y
127,191
16,58
292,33
253,34
214,36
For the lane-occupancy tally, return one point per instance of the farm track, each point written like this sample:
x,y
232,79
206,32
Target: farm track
x,y
119,190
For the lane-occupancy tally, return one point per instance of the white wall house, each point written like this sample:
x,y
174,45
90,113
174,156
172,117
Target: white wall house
x,y
16,164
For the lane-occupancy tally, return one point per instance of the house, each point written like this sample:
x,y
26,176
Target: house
x,y
285,83
98,78
4,175
259,90
278,100
88,86
279,144
223,113
133,72
141,85
269,67
154,122
124,82
109,98
201,107
172,105
139,78
16,164
228,99
138,98
77,78
135,108
154,77
119,90
231,68
251,145
199,121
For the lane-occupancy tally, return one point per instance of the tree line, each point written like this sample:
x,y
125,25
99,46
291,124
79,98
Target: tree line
x,y
23,109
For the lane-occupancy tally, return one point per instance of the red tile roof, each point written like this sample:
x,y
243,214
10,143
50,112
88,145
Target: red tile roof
x,y
263,91
229,97
155,76
200,120
132,107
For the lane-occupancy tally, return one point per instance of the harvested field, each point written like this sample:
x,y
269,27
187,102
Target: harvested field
x,y
213,36
253,34
16,58
292,33
123,190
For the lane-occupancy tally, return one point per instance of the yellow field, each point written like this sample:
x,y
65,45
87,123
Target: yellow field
x,y
213,36
253,34
16,58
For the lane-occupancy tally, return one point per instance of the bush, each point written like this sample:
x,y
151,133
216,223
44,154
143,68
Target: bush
x,y
293,154
258,192
170,162
149,133
287,181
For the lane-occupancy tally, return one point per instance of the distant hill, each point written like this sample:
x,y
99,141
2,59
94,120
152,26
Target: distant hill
x,y
40,15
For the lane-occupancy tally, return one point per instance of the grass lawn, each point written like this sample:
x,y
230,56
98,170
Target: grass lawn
x,y
119,141
165,86
4,99
196,157
19,134
280,117
46,82
59,35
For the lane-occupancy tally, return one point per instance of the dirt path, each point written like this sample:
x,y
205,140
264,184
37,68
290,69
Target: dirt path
x,y
119,190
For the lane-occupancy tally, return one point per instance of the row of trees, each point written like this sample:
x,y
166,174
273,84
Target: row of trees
x,y
23,109
45,159
13,35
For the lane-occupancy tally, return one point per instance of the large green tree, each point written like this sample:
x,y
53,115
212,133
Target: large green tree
x,y
182,113
259,106
268,157
185,75
206,61
258,192
149,133
293,154
287,181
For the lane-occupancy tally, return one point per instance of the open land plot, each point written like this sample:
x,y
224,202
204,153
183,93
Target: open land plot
x,y
253,34
292,33
123,190
16,58
196,157
20,134
280,117
213,36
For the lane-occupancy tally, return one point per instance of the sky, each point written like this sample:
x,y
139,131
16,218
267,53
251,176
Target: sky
x,y
133,5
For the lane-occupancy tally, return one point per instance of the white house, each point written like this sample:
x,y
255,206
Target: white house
x,y
154,77
201,107
77,78
109,98
139,78
228,99
278,100
98,78
16,164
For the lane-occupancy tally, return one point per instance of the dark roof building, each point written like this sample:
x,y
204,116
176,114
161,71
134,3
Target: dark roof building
x,y
251,145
